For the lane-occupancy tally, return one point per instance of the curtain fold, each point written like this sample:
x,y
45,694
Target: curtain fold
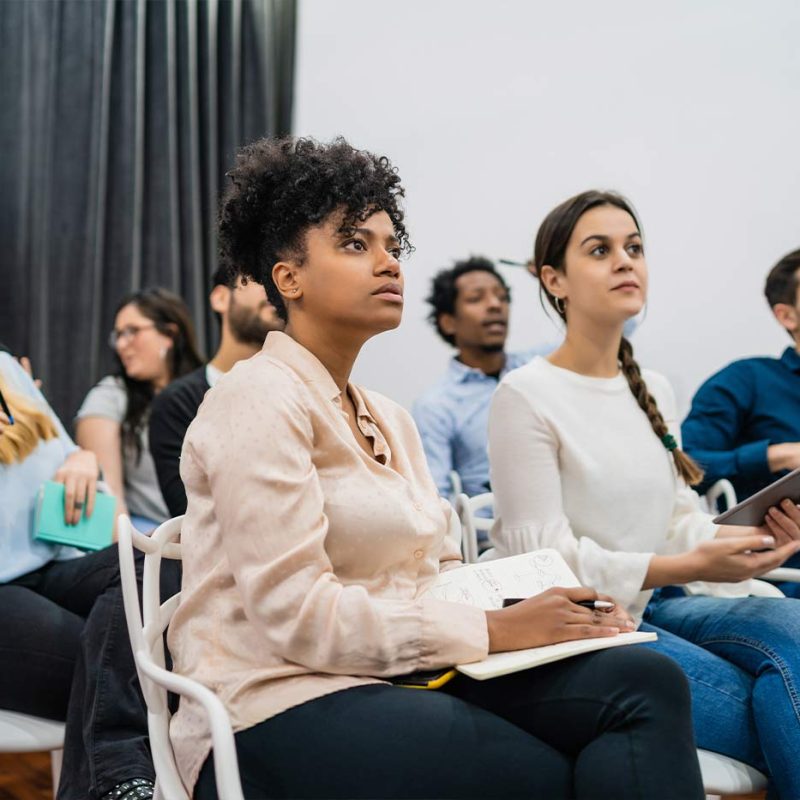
x,y
119,120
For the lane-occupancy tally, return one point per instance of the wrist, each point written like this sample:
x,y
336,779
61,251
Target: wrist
x,y
777,457
496,630
667,570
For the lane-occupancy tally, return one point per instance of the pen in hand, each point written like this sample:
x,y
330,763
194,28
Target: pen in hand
x,y
597,605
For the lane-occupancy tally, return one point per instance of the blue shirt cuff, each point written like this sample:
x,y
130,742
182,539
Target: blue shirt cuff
x,y
751,459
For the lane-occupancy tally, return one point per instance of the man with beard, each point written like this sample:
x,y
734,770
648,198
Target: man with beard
x,y
246,317
469,309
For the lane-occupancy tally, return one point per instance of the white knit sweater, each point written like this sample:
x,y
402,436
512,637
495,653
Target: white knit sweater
x,y
576,466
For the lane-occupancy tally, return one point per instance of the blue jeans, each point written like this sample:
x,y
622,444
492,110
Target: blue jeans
x,y
742,658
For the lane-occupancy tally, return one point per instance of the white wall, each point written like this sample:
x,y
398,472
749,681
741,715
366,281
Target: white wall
x,y
494,111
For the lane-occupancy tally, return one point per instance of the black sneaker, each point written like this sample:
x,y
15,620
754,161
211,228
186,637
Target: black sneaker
x,y
135,789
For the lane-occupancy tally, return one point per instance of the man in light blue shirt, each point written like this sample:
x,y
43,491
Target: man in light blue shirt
x,y
469,309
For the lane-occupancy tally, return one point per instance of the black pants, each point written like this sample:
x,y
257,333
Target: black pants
x,y
65,654
612,725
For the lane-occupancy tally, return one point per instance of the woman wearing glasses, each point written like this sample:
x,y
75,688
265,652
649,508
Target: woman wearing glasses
x,y
154,342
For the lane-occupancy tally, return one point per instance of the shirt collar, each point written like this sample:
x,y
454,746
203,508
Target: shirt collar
x,y
461,373
302,361
791,360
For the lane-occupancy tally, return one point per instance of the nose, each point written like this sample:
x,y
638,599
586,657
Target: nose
x,y
388,265
624,261
494,301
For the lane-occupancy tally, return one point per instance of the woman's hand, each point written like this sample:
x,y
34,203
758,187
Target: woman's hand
x,y
79,474
782,522
729,559
554,616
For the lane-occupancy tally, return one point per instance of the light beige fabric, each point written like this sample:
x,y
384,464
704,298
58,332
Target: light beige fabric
x,y
306,561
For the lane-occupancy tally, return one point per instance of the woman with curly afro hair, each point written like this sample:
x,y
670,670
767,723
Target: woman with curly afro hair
x,y
313,531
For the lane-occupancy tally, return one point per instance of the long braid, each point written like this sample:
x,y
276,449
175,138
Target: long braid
x,y
686,466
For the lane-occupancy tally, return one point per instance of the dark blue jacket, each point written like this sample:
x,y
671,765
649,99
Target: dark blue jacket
x,y
737,413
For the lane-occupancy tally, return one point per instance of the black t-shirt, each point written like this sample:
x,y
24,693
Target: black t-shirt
x,y
171,414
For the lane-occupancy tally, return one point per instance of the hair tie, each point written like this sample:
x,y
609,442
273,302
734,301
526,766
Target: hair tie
x,y
668,440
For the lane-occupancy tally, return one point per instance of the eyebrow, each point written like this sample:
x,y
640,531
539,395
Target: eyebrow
x,y
369,234
603,238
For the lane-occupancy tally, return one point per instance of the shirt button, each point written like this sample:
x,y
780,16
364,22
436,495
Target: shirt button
x,y
418,554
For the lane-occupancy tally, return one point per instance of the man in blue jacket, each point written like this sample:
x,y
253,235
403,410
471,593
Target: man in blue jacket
x,y
744,423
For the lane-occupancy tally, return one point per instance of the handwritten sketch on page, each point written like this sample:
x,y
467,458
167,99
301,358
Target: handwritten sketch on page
x,y
485,585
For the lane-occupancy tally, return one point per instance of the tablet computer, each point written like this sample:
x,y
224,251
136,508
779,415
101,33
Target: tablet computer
x,y
753,510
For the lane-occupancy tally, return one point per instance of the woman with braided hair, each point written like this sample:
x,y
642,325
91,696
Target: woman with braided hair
x,y
585,458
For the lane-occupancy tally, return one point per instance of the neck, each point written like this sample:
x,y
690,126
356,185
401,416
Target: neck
x,y
590,348
230,351
488,363
336,354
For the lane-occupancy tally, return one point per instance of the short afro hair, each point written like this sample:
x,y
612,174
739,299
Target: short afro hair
x,y
282,187
442,298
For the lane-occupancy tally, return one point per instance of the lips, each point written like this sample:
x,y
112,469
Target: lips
x,y
499,323
626,285
390,291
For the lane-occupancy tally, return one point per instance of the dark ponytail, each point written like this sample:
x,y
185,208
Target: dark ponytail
x,y
552,239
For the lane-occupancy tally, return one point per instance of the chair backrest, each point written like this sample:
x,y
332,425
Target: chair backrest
x,y
146,630
467,508
722,488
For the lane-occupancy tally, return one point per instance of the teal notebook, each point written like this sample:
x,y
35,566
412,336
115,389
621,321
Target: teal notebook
x,y
93,533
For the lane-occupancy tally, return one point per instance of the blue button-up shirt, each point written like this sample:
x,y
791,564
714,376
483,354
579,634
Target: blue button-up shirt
x,y
737,413
453,418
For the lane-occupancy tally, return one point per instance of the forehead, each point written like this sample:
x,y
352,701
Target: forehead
x,y
378,224
607,221
478,280
130,315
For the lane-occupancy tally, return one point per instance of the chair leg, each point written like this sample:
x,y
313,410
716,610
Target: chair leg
x,y
56,757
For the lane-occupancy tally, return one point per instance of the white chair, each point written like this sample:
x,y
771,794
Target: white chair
x,y
146,631
455,483
467,509
722,488
721,775
22,733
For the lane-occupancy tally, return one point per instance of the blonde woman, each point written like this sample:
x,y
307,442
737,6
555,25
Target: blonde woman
x,y
50,666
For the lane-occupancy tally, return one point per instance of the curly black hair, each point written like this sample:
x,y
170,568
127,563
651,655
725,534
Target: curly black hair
x,y
283,186
442,298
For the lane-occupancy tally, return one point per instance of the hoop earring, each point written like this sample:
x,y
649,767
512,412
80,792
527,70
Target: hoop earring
x,y
560,305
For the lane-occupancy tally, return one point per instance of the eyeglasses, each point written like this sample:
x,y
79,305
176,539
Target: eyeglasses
x,y
128,332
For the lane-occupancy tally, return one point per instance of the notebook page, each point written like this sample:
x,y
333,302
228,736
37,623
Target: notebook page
x,y
486,584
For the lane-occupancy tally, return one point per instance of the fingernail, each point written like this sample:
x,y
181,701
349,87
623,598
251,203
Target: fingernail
x,y
768,541
629,624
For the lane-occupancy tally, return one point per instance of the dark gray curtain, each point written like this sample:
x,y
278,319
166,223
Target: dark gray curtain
x,y
118,120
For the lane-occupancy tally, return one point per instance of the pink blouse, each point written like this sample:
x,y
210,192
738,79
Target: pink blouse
x,y
306,561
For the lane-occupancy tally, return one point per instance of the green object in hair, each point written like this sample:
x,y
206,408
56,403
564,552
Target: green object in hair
x,y
668,440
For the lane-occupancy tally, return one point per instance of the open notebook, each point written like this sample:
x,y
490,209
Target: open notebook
x,y
486,584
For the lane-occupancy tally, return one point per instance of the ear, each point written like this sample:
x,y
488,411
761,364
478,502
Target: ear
x,y
787,317
553,281
447,323
284,275
220,299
